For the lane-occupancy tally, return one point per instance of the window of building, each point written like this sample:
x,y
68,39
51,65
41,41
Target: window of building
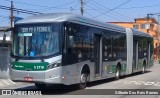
x,y
143,26
136,26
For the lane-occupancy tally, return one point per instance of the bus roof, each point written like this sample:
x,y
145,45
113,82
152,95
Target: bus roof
x,y
70,17
139,33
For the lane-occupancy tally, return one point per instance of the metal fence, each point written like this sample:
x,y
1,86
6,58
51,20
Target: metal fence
x,y
4,62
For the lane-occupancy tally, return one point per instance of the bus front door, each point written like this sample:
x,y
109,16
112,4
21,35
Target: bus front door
x,y
98,54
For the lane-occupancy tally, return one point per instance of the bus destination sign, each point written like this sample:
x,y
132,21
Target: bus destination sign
x,y
35,29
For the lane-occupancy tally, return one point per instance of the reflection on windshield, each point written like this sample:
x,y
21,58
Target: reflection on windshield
x,y
36,41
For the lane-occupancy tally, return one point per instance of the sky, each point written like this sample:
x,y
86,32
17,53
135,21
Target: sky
x,y
102,10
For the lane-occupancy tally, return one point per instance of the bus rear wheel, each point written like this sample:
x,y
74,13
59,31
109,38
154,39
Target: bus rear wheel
x,y
40,85
83,80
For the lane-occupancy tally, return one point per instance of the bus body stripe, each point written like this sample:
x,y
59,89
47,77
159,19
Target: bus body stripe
x,y
41,66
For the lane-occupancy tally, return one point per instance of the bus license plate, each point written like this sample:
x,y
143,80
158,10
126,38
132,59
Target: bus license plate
x,y
28,78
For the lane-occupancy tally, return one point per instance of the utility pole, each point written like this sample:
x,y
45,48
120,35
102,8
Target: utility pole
x,y
82,7
11,15
148,23
11,20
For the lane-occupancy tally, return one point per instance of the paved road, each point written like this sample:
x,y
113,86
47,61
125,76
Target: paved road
x,y
149,80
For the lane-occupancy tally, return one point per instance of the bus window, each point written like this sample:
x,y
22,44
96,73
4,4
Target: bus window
x,y
79,42
21,46
37,40
107,46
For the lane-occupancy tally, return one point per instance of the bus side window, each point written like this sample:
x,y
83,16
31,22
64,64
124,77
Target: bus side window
x,y
71,39
71,43
107,46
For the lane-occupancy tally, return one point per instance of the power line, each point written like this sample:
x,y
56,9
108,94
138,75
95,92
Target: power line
x,y
102,12
29,4
115,13
76,4
114,8
46,7
128,8
59,6
95,5
4,16
20,10
87,1
88,14
140,7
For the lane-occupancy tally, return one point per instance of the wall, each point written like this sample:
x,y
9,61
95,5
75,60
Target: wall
x,y
4,62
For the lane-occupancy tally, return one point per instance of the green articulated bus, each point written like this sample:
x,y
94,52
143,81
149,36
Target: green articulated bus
x,y
65,48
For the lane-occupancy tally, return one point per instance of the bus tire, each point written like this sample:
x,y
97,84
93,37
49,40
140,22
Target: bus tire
x,y
83,80
118,72
40,85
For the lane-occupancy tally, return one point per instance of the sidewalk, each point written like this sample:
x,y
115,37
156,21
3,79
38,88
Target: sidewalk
x,y
6,82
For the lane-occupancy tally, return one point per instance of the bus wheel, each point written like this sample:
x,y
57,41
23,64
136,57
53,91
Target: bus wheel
x,y
117,76
40,85
83,80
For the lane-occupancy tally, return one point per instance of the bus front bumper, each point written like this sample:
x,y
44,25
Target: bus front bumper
x,y
52,76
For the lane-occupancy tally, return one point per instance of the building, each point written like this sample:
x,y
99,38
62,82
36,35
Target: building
x,y
5,33
149,26
5,46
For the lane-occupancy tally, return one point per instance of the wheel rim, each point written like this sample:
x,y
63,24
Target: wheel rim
x,y
83,78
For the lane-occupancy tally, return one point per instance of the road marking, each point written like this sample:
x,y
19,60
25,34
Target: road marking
x,y
157,84
149,83
141,83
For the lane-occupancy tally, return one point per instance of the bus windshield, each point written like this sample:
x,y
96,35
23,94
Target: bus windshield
x,y
36,40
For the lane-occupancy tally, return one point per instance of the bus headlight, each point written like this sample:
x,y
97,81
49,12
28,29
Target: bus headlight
x,y
53,65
